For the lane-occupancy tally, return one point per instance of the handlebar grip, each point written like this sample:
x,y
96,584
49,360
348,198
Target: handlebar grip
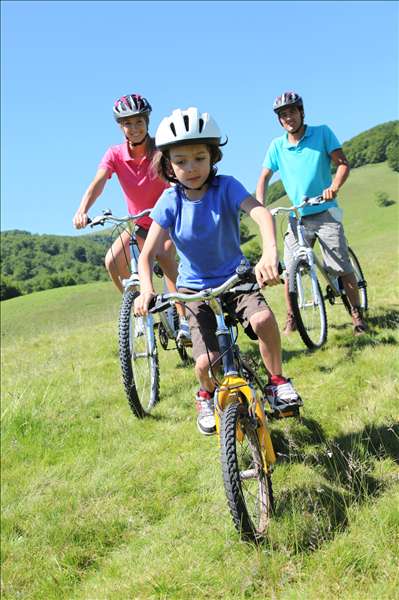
x,y
158,304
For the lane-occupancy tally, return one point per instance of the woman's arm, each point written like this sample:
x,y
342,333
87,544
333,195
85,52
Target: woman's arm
x,y
266,269
94,190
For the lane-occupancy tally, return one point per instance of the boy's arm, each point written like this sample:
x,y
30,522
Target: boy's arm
x,y
261,187
154,242
341,175
94,190
266,269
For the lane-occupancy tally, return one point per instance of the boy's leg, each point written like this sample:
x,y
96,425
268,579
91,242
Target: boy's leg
x,y
203,327
117,260
252,309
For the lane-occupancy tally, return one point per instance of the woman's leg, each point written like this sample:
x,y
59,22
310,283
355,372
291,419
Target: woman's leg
x,y
117,260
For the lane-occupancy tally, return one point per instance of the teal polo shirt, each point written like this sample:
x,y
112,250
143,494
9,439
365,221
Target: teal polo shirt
x,y
305,167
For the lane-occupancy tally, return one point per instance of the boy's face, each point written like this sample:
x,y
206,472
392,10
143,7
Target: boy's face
x,y
134,128
290,118
191,164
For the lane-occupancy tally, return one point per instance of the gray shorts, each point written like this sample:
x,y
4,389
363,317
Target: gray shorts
x,y
202,321
330,233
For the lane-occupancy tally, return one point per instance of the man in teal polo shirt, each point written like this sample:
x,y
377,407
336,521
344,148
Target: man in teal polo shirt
x,y
303,158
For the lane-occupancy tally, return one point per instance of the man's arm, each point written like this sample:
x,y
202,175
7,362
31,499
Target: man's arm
x,y
262,184
94,190
341,175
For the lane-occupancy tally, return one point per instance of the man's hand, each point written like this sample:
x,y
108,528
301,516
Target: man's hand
x,y
329,193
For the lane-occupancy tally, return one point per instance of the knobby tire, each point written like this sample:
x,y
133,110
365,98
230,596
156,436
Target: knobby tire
x,y
250,498
140,375
311,320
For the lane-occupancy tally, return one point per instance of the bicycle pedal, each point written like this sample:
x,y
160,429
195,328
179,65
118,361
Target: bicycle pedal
x,y
292,411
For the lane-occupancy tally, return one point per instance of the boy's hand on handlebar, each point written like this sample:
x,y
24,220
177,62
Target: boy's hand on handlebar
x,y
329,193
266,271
142,302
80,220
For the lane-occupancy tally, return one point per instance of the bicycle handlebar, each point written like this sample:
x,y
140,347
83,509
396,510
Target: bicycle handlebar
x,y
108,216
316,200
243,275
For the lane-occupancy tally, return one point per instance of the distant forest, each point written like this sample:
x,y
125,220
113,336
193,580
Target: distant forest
x,y
33,262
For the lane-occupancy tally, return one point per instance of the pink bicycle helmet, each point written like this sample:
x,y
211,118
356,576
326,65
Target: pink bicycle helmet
x,y
287,99
131,105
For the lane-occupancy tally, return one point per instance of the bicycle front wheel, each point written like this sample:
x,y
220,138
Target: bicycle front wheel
x,y
247,485
361,283
308,304
138,357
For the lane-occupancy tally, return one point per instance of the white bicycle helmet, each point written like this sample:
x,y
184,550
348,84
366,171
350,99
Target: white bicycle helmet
x,y
185,127
287,99
130,106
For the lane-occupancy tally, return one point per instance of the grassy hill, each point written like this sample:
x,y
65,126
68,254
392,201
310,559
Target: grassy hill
x,y
98,505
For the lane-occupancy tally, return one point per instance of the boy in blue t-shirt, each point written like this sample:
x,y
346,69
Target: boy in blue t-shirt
x,y
201,215
303,158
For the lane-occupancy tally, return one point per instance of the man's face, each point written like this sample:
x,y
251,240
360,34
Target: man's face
x,y
290,118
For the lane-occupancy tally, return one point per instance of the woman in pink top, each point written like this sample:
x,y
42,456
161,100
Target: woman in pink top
x,y
131,162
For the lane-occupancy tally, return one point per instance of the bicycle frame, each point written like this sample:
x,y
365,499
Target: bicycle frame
x,y
306,252
233,386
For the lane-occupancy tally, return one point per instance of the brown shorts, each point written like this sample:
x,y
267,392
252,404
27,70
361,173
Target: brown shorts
x,y
202,320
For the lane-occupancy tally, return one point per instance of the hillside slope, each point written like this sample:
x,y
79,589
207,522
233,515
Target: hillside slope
x,y
98,505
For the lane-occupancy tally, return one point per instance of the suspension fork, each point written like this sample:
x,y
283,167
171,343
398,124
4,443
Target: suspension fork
x,y
306,252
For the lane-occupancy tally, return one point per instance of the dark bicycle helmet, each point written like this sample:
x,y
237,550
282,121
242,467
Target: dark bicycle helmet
x,y
130,106
287,99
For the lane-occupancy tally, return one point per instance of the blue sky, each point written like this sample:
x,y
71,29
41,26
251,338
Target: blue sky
x,y
64,64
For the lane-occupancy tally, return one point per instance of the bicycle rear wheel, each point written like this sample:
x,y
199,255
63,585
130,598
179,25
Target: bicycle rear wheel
x,y
138,357
308,304
248,487
361,283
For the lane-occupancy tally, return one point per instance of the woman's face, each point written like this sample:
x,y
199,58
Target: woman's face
x,y
134,128
191,164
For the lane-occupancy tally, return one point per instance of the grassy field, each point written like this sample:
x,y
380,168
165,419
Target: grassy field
x,y
97,505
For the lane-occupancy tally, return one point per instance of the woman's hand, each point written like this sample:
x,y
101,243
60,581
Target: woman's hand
x,y
142,302
80,220
266,270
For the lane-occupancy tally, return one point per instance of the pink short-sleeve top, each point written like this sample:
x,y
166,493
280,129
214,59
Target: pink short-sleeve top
x,y
140,186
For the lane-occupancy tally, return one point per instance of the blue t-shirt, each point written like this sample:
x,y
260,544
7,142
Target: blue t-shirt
x,y
206,232
305,167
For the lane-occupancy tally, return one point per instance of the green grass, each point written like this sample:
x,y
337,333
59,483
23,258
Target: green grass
x,y
98,505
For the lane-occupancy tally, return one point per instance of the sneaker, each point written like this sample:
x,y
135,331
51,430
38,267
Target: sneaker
x,y
205,407
359,326
282,396
290,325
184,335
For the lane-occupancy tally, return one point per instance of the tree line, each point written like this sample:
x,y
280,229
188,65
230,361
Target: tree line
x,y
33,262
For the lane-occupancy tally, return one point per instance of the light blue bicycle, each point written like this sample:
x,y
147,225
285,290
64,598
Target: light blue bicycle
x,y
306,295
138,351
